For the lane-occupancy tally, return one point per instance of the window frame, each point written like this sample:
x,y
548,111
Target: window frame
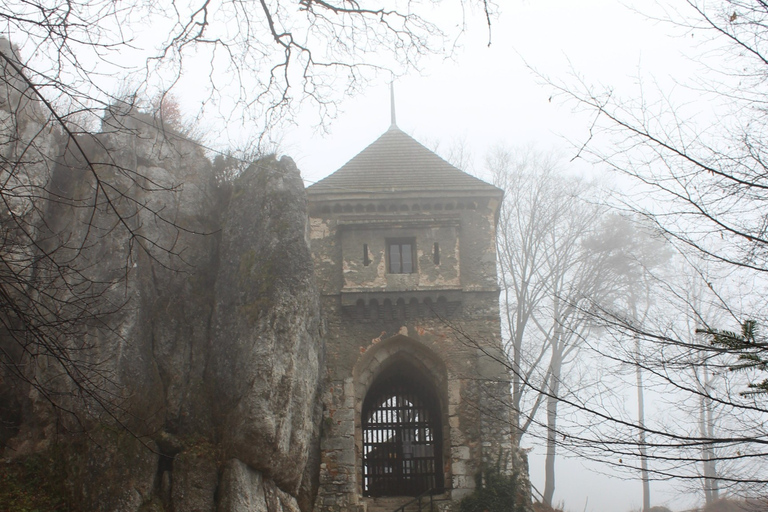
x,y
400,242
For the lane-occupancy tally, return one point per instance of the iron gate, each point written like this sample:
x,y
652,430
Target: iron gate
x,y
401,439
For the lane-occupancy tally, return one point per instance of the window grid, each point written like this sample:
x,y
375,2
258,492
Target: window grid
x,y
401,256
401,454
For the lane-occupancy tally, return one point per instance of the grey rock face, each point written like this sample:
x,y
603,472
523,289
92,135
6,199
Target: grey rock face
x,y
195,477
112,471
264,351
204,327
242,489
245,490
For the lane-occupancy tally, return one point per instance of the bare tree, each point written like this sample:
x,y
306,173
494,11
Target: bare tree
x,y
554,260
636,266
690,388
248,64
702,184
703,311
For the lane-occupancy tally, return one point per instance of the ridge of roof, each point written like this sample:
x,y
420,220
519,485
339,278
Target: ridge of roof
x,y
396,162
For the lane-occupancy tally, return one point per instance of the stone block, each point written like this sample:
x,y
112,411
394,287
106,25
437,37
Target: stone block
x,y
346,428
463,482
344,414
458,494
460,452
459,468
347,457
454,393
349,387
337,444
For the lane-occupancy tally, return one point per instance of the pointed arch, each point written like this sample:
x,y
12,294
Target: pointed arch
x,y
402,434
402,431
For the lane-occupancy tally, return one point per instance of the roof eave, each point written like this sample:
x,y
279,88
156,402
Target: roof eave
x,y
393,194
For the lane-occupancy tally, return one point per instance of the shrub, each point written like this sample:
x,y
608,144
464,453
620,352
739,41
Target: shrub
x,y
496,491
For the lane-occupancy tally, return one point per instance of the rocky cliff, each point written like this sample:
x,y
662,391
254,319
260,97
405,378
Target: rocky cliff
x,y
161,337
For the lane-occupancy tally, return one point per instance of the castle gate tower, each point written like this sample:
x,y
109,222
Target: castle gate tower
x,y
416,398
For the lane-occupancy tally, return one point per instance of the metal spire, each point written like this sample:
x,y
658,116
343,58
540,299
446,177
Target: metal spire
x,y
392,103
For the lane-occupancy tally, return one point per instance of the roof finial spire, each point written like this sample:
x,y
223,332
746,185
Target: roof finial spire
x,y
392,103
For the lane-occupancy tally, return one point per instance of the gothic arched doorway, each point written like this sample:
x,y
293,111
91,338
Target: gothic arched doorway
x,y
402,435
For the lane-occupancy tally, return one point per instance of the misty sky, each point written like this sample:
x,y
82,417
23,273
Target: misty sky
x,y
489,96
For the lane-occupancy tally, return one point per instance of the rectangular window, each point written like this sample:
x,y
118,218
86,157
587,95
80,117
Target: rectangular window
x,y
401,256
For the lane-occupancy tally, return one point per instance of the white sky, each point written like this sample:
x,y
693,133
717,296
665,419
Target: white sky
x,y
488,96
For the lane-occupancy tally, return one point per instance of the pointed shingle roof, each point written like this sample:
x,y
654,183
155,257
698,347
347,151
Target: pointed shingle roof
x,y
396,162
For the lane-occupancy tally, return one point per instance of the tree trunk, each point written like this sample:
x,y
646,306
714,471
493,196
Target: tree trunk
x,y
517,387
552,401
707,430
641,433
711,468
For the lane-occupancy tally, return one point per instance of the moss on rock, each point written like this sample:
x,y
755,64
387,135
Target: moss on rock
x,y
34,483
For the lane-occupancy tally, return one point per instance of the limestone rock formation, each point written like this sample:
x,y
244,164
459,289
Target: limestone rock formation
x,y
246,490
184,366
265,364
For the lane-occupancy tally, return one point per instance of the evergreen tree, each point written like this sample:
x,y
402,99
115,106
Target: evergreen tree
x,y
752,352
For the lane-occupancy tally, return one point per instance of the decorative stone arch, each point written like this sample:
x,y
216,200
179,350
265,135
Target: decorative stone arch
x,y
426,378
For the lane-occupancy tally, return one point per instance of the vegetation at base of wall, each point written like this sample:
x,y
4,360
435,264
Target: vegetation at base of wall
x,y
541,507
154,504
736,505
34,483
496,491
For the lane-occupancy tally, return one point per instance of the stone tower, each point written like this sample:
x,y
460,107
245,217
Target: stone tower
x,y
416,398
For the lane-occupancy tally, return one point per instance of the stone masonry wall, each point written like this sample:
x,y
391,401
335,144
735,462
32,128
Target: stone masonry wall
x,y
443,318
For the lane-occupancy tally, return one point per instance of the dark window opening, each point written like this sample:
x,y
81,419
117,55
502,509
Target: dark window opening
x,y
373,309
360,309
436,254
413,308
402,436
400,253
366,258
400,313
387,309
429,308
